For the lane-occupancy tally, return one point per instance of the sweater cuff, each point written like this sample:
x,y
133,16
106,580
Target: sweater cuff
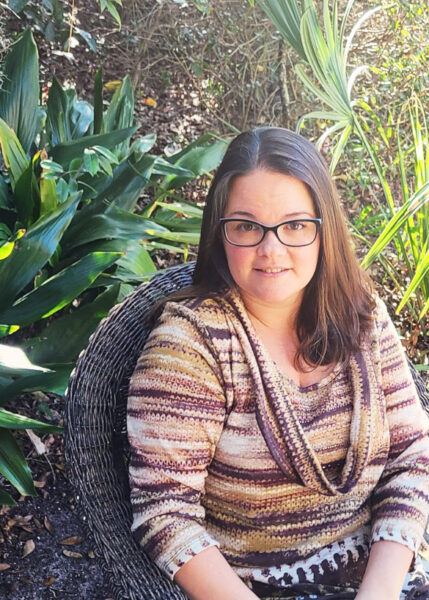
x,y
399,532
170,562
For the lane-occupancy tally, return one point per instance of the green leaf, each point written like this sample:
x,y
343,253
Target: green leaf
x,y
164,167
33,250
48,195
6,249
90,161
50,381
182,237
67,118
110,223
177,220
66,152
137,260
76,327
6,499
422,271
87,38
59,290
17,5
4,194
10,420
198,160
143,144
14,156
414,204
59,107
15,363
13,465
112,9
25,196
286,16
19,96
120,113
98,101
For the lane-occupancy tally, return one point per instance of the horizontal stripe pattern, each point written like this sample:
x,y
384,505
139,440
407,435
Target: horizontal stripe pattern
x,y
227,451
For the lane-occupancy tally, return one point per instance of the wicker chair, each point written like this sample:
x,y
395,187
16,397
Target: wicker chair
x,y
95,439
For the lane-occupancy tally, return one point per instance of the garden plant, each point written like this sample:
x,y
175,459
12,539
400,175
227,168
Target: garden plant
x,y
323,49
71,243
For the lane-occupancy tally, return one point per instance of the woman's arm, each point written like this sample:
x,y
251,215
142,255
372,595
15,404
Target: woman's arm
x,y
400,500
385,573
176,414
207,576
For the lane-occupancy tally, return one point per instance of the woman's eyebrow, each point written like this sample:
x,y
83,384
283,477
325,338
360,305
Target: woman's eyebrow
x,y
243,213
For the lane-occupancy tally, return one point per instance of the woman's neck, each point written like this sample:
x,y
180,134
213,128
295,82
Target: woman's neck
x,y
275,320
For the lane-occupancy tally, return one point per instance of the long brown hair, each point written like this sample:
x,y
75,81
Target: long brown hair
x,y
337,303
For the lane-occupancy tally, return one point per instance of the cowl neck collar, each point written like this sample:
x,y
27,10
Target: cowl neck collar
x,y
280,426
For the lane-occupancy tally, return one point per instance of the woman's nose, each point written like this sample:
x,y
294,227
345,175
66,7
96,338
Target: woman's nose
x,y
271,245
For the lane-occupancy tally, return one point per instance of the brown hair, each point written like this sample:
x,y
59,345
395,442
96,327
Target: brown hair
x,y
337,303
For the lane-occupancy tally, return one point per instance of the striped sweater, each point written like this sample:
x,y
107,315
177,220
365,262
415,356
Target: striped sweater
x,y
228,451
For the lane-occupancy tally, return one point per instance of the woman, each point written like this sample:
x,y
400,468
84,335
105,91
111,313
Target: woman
x,y
279,448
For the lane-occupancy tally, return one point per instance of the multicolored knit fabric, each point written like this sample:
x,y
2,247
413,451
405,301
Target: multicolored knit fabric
x,y
291,483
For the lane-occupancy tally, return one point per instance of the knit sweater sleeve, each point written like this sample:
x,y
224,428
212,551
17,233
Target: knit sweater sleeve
x,y
176,412
401,499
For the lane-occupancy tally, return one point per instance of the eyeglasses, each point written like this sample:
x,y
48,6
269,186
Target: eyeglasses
x,y
243,232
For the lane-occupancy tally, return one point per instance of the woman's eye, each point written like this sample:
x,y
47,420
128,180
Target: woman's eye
x,y
295,225
244,227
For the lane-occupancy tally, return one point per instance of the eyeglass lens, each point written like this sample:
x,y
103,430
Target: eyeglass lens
x,y
293,233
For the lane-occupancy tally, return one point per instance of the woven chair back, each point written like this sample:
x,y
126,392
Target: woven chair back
x,y
95,439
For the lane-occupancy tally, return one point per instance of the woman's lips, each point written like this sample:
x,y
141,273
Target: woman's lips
x,y
272,271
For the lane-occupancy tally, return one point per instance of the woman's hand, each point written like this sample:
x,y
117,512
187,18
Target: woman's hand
x,y
208,576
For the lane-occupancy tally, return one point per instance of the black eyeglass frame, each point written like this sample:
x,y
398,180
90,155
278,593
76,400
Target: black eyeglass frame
x,y
265,228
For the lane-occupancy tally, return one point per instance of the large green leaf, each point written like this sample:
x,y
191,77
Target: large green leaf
x,y
59,290
76,327
15,363
177,221
198,160
13,465
66,152
414,204
98,101
120,113
286,16
67,118
422,271
33,250
129,179
4,194
14,156
137,260
23,197
100,221
19,96
51,381
10,420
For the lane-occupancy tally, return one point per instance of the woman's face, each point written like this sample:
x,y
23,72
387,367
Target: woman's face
x,y
271,273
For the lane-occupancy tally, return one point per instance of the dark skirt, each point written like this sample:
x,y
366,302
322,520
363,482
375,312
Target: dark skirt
x,y
323,592
303,591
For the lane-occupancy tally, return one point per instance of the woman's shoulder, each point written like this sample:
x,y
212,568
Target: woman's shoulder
x,y
203,313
